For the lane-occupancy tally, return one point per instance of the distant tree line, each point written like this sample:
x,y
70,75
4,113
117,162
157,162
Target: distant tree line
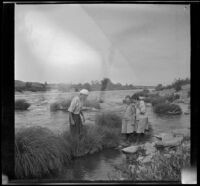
x,y
103,85
34,87
177,84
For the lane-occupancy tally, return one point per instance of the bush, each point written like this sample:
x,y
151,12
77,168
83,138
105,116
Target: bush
x,y
159,87
155,99
142,93
166,108
108,119
172,97
21,104
39,152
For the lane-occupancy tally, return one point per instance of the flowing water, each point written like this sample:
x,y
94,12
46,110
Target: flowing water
x,y
98,166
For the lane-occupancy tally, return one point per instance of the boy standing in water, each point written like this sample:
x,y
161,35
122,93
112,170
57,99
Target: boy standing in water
x,y
75,112
129,118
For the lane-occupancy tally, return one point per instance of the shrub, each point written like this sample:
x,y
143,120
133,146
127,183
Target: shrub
x,y
159,87
142,93
172,97
166,108
108,119
21,104
39,152
154,100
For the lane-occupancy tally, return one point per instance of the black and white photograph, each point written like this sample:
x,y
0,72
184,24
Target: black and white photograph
x,y
102,92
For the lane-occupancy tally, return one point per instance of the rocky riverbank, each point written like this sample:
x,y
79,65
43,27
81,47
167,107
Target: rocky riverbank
x,y
161,159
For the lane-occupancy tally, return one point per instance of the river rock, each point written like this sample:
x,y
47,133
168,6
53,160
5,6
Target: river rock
x,y
181,132
167,155
165,136
175,141
147,159
132,149
149,147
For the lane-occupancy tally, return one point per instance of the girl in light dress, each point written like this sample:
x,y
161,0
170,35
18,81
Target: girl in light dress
x,y
129,118
141,117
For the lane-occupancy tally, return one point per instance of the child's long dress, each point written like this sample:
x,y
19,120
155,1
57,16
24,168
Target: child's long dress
x,y
142,119
128,121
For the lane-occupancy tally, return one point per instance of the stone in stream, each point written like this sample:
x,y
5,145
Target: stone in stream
x,y
132,149
149,147
147,159
175,141
181,132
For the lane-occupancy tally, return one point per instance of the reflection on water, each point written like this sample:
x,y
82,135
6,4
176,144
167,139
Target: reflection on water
x,y
99,165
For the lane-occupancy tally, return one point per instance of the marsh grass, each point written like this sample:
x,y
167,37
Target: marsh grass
x,y
21,104
108,119
88,142
167,109
39,152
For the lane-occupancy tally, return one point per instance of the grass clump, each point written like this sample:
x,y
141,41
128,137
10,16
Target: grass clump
x,y
167,108
39,152
88,142
21,104
108,119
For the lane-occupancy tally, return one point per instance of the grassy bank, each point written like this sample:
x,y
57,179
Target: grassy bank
x,y
161,168
40,152
21,104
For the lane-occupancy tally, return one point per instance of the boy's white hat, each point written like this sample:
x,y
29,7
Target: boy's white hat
x,y
84,91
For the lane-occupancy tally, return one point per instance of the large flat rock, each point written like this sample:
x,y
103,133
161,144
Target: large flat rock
x,y
175,141
181,132
132,149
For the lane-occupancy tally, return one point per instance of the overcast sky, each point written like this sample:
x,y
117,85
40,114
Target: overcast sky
x,y
131,43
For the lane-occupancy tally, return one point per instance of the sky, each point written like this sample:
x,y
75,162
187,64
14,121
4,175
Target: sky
x,y
139,44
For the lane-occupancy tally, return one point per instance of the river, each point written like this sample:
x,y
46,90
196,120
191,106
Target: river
x,y
98,166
